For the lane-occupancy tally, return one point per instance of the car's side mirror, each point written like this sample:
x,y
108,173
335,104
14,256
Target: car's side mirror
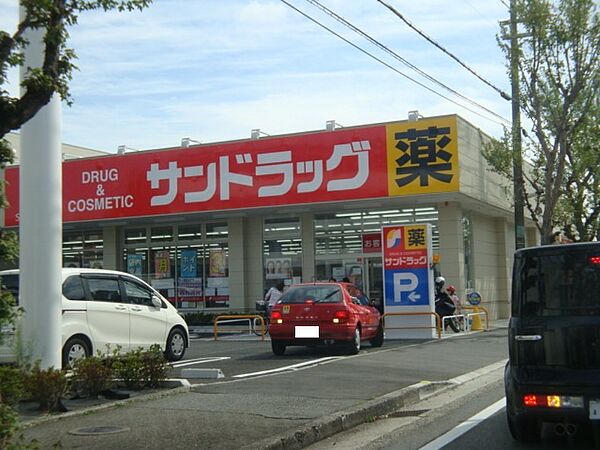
x,y
156,301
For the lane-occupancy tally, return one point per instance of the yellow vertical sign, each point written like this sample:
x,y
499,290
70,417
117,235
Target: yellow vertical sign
x,y
422,156
415,237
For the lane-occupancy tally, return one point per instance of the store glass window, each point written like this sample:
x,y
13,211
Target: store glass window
x,y
216,267
162,271
190,274
136,261
161,234
83,249
93,249
344,240
282,244
187,263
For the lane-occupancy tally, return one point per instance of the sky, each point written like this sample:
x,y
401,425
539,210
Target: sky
x,y
213,70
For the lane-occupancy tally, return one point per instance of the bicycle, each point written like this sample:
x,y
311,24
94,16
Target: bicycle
x,y
262,309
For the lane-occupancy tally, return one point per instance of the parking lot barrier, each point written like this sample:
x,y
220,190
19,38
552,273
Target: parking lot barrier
x,y
475,317
250,318
438,321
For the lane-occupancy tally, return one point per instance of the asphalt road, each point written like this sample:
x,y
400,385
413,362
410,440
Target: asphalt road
x,y
453,421
263,396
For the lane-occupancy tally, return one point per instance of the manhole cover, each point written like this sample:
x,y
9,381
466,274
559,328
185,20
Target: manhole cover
x,y
94,431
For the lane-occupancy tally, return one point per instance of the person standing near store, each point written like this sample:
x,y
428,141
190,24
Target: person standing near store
x,y
272,296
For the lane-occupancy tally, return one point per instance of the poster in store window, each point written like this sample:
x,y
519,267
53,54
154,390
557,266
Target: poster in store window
x,y
217,261
162,264
188,263
190,288
278,268
135,264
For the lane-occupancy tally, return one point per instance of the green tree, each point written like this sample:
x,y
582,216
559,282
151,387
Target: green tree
x,y
559,77
39,84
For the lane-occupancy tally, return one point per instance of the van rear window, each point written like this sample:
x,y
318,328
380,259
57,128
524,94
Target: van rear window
x,y
558,283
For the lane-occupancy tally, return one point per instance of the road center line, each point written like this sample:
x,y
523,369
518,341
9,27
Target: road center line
x,y
465,426
292,367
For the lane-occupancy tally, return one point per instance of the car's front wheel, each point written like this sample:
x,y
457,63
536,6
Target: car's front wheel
x,y
74,349
377,341
175,348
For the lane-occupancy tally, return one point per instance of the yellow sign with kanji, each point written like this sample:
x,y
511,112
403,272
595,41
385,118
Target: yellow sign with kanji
x,y
422,156
415,237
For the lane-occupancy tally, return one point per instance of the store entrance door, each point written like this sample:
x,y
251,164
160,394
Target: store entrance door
x,y
374,280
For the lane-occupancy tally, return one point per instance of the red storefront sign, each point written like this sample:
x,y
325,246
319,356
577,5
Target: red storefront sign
x,y
310,168
371,242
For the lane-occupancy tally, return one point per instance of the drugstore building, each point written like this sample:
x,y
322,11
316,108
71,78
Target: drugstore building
x,y
212,226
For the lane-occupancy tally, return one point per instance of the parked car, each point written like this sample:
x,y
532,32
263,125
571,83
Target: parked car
x,y
553,372
324,313
103,308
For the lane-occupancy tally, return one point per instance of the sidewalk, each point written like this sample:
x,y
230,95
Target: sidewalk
x,y
289,410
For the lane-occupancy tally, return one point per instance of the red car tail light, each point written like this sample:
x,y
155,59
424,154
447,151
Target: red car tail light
x,y
530,400
552,401
340,316
276,317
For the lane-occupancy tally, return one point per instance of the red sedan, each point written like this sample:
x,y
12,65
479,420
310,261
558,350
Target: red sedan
x,y
324,313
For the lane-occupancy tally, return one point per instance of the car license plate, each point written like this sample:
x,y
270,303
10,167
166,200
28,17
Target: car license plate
x,y
595,409
306,332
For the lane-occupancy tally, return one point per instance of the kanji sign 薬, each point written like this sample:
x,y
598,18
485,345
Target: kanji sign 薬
x,y
423,156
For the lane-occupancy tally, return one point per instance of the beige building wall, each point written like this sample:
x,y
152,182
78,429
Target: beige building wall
x,y
452,262
308,247
68,151
476,179
111,251
237,276
488,252
253,262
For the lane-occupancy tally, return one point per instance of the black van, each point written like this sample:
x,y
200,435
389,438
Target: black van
x,y
553,373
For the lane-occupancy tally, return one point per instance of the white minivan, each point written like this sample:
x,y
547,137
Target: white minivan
x,y
103,308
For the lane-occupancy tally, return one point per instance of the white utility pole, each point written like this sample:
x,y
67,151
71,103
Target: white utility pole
x,y
40,223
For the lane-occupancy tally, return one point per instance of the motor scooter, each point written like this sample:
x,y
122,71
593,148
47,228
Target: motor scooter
x,y
444,307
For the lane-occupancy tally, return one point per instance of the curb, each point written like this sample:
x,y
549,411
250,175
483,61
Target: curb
x,y
326,426
182,386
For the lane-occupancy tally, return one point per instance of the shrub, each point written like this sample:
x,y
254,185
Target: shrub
x,y
11,435
138,369
128,369
155,366
11,385
46,386
92,375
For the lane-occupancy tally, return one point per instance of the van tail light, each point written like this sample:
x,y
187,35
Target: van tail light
x,y
552,401
340,316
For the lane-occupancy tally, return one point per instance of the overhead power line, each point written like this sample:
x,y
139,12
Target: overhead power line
x,y
503,94
388,65
400,58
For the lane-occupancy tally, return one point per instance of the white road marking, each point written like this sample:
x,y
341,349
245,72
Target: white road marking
x,y
301,365
190,362
465,426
